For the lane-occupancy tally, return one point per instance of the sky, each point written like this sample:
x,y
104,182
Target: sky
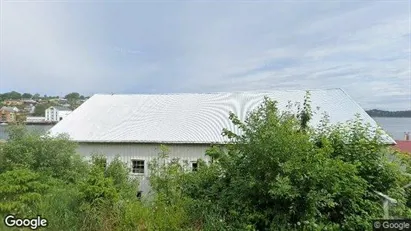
x,y
57,47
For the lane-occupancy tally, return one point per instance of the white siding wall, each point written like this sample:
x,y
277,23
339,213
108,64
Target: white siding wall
x,y
51,114
54,115
146,152
62,114
48,114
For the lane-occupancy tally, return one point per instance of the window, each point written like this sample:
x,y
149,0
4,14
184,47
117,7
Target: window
x,y
194,166
138,166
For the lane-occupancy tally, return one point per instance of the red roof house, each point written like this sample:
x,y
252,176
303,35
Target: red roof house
x,y
403,145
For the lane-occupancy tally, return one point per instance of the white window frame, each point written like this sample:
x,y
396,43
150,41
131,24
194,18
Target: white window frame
x,y
132,167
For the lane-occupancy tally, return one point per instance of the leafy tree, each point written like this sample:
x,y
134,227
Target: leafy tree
x,y
103,193
40,108
26,96
55,157
74,96
10,95
73,106
36,96
280,174
20,189
167,176
73,99
14,95
44,175
97,190
119,173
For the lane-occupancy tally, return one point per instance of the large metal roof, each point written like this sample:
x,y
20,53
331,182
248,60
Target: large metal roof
x,y
189,117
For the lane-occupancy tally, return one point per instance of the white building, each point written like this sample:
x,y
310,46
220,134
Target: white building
x,y
134,126
56,113
30,108
35,119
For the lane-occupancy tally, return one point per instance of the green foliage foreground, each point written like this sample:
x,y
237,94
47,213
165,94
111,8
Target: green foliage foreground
x,y
277,173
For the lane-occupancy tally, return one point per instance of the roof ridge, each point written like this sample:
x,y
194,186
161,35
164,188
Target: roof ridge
x,y
190,117
224,92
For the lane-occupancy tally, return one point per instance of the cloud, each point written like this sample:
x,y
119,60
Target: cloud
x,y
47,49
131,47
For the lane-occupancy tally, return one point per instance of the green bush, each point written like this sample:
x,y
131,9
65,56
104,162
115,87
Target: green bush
x,y
55,157
279,174
61,207
20,189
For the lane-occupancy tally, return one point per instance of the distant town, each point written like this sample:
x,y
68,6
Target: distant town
x,y
29,108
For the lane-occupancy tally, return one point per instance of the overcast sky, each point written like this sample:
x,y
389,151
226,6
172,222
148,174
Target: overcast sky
x,y
56,47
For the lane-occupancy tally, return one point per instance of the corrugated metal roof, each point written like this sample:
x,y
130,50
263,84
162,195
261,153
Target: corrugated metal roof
x,y
403,145
188,117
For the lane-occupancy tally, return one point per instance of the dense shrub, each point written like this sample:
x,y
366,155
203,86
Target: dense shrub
x,y
279,174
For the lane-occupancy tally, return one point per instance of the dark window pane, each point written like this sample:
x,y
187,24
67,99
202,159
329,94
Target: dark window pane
x,y
138,166
194,166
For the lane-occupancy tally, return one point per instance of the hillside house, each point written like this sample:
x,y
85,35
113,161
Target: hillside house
x,y
404,145
13,102
134,126
56,113
29,101
8,114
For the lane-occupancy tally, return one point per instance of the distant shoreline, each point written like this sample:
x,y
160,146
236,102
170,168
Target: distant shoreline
x,y
389,114
398,117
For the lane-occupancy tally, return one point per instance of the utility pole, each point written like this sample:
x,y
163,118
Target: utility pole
x,y
388,201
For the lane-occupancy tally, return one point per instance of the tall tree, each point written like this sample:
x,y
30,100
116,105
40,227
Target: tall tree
x,y
74,96
27,96
36,96
40,109
11,95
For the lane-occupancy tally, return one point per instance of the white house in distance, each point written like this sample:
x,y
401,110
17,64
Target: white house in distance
x,y
35,119
56,113
134,126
